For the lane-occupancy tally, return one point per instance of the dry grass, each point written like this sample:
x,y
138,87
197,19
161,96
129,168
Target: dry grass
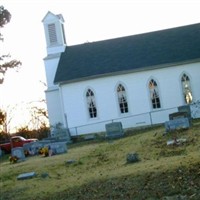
x,y
101,171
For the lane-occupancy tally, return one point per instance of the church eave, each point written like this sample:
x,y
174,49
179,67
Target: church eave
x,y
123,72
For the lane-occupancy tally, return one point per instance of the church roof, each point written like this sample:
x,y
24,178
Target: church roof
x,y
145,51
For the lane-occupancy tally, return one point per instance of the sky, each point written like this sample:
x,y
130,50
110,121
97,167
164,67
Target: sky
x,y
85,21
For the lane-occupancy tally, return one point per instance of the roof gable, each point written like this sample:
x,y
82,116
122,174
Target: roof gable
x,y
49,17
131,53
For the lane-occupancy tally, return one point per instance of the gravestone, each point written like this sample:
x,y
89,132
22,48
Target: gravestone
x,y
58,147
27,147
26,176
44,175
1,153
19,153
176,141
70,162
179,123
89,137
114,130
132,157
185,108
33,147
59,133
177,115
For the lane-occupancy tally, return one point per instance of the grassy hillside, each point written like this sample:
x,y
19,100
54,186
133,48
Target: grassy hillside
x,y
100,170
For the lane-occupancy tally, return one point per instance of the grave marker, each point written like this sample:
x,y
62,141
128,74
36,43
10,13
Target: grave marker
x,y
114,130
58,147
132,157
177,115
33,147
18,152
26,176
179,123
185,108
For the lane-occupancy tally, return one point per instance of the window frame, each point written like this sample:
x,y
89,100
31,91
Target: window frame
x,y
91,99
123,106
158,98
191,95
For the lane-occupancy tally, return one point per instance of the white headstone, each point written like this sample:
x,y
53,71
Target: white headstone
x,y
26,176
58,147
18,152
33,147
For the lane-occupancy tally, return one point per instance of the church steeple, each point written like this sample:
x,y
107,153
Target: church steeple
x,y
54,33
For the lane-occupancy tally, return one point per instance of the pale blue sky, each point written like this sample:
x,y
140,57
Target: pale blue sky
x,y
85,20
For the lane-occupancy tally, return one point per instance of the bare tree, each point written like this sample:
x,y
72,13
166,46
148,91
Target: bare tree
x,y
6,116
5,62
39,115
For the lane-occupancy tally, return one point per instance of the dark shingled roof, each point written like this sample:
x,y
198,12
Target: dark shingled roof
x,y
131,53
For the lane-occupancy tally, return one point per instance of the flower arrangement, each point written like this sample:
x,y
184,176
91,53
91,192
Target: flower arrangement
x,y
44,151
13,159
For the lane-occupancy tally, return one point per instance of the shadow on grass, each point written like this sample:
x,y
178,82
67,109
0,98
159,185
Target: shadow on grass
x,y
182,183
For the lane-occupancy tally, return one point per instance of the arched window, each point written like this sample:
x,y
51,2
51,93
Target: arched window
x,y
154,94
187,91
122,99
91,104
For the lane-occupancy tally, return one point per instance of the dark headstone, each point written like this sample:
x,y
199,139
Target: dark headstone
x,y
44,175
114,130
177,115
185,108
61,134
179,123
132,157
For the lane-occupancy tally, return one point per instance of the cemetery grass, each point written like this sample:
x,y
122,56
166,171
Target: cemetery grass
x,y
100,170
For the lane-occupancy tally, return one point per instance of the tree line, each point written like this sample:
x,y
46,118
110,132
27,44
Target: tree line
x,y
38,115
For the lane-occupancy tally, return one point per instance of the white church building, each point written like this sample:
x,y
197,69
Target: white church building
x,y
137,80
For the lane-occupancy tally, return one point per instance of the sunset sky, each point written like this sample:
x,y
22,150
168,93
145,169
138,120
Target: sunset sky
x,y
85,21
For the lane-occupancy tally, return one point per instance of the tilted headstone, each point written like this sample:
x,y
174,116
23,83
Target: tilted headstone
x,y
18,152
114,130
179,123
